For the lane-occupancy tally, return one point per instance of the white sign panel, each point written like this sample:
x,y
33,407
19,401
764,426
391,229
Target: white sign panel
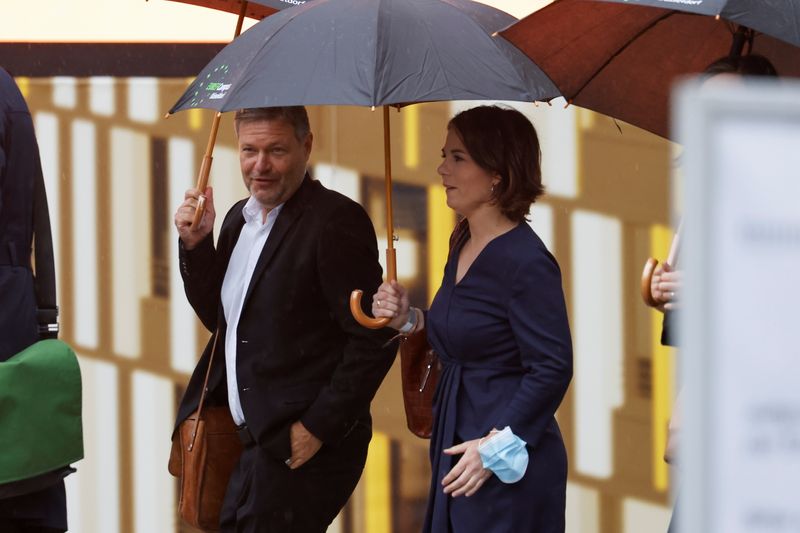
x,y
740,347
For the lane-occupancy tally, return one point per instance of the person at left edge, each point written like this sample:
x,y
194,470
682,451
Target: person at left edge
x,y
45,510
296,369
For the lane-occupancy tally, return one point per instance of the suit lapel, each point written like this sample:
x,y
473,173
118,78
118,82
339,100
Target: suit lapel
x,y
292,210
229,234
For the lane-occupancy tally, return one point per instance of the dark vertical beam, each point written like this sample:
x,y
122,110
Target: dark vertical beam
x,y
160,238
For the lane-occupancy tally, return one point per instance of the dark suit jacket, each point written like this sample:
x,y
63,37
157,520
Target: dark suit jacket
x,y
301,355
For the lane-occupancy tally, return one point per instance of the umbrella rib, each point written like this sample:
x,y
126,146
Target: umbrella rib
x,y
618,52
378,47
382,82
435,51
263,45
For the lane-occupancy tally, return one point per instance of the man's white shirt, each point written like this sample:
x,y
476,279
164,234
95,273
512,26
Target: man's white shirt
x,y
234,287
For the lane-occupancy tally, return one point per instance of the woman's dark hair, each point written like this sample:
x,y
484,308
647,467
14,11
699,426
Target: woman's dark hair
x,y
503,141
749,65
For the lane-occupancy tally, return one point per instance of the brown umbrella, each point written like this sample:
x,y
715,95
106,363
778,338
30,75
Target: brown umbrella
x,y
622,60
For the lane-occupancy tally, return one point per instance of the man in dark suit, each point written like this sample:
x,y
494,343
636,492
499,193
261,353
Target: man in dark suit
x,y
296,370
43,510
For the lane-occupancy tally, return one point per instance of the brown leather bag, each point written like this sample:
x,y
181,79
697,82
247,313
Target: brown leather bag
x,y
419,373
205,450
420,368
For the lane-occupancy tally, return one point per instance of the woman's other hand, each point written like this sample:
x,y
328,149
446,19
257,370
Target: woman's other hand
x,y
468,474
391,301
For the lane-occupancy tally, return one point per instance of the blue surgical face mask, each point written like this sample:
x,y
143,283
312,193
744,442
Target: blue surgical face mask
x,y
505,455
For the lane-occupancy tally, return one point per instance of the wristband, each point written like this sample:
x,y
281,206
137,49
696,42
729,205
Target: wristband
x,y
411,324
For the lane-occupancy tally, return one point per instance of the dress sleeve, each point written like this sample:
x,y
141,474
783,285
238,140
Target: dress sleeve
x,y
538,317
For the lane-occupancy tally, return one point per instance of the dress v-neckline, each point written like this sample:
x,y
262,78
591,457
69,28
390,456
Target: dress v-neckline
x,y
456,280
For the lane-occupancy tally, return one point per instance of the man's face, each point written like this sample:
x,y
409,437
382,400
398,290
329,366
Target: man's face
x,y
273,161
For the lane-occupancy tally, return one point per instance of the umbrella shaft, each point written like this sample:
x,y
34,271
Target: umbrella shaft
x,y
391,267
240,22
205,167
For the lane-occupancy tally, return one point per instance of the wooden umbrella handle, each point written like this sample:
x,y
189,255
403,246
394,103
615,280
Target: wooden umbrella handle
x,y
361,317
205,170
647,279
391,262
355,296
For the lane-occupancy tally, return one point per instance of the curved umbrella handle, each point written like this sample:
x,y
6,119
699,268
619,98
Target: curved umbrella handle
x,y
360,316
355,296
647,278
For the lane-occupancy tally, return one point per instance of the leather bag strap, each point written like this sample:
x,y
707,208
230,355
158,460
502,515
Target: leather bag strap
x,y
205,389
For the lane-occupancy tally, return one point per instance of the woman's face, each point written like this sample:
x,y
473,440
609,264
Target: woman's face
x,y
468,186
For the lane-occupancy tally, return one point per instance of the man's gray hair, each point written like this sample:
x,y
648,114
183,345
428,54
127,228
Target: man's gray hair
x,y
296,116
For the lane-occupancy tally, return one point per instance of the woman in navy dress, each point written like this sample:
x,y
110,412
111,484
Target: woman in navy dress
x,y
499,326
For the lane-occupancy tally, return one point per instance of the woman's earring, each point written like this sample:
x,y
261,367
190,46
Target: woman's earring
x,y
492,189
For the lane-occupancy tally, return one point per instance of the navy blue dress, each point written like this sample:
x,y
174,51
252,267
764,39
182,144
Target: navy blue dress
x,y
503,339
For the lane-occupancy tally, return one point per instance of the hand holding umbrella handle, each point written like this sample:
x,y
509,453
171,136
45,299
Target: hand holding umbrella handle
x,y
650,267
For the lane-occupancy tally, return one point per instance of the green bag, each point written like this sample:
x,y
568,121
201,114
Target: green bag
x,y
40,411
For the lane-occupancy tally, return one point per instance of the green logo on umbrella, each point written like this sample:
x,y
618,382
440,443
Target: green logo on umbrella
x,y
218,89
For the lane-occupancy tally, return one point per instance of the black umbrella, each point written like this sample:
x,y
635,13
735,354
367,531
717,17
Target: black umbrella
x,y
370,53
778,18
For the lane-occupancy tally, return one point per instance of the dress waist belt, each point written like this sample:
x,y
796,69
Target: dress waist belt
x,y
478,365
